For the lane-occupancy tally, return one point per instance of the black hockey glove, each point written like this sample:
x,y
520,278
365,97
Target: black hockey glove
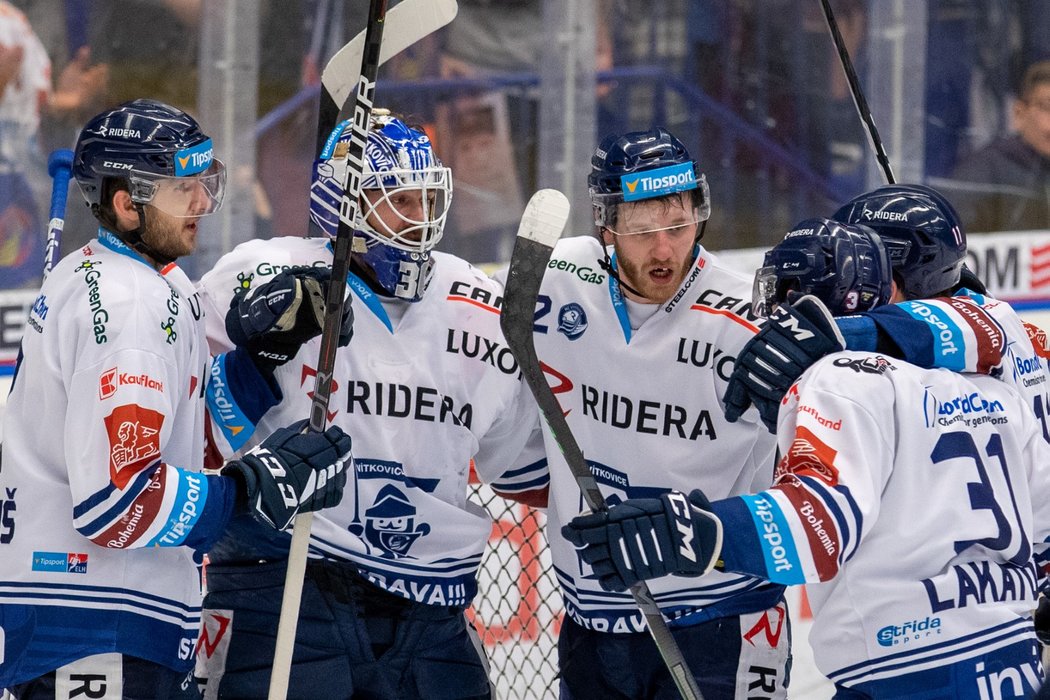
x,y
793,338
273,321
1042,621
293,472
646,538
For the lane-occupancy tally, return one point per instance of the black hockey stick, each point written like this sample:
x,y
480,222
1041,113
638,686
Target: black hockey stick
x,y
406,23
348,209
60,168
858,95
541,226
873,132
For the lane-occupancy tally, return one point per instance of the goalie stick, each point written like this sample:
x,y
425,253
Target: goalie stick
x,y
541,226
348,208
60,168
407,23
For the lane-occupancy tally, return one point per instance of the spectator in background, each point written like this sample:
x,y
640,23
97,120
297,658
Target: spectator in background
x,y
1005,186
491,134
25,81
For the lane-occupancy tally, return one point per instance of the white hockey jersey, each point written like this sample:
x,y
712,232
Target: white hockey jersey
x,y
914,497
420,397
103,449
971,332
646,408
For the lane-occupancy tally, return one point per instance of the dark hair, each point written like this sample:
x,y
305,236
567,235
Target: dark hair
x,y
105,212
1036,75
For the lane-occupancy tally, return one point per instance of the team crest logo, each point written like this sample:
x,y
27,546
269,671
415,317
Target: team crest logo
x,y
134,441
390,524
572,321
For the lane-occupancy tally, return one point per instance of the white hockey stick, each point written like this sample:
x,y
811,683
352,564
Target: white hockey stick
x,y
409,22
541,226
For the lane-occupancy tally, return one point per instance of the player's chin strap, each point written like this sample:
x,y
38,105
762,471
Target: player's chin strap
x,y
606,263
133,239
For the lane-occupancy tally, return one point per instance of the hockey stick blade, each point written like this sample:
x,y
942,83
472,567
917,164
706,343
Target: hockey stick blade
x,y
541,225
406,23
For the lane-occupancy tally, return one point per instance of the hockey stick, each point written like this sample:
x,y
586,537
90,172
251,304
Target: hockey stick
x,y
858,95
348,208
541,225
60,168
406,24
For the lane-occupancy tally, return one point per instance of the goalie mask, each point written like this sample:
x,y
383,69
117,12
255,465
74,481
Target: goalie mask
x,y
921,232
405,194
844,265
643,165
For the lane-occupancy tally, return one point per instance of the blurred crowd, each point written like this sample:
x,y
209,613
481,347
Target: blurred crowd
x,y
757,87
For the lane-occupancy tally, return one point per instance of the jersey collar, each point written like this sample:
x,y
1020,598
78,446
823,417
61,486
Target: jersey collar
x,y
109,240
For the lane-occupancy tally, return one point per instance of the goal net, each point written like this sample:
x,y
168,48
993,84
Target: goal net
x,y
518,609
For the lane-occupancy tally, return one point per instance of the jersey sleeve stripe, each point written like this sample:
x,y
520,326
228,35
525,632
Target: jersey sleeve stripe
x,y
114,512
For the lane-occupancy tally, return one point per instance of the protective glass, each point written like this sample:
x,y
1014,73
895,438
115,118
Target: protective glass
x,y
686,227
181,197
764,292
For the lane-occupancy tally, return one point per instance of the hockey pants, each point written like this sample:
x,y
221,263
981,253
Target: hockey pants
x,y
354,640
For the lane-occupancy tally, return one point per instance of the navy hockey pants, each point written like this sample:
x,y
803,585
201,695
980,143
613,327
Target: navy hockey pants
x,y
750,651
354,640
110,677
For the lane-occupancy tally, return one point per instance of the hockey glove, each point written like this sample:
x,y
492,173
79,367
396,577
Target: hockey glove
x,y
646,538
292,472
273,321
793,338
1042,621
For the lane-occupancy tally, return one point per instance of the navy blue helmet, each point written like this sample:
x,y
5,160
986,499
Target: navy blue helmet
x,y
921,232
844,265
643,165
148,143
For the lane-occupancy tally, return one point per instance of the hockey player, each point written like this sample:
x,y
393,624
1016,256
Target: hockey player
x,y
875,449
945,320
426,385
103,500
639,338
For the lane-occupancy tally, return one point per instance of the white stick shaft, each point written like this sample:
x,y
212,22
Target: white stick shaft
x,y
293,595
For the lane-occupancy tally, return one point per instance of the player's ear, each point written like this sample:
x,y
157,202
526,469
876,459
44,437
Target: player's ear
x,y
124,209
895,293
